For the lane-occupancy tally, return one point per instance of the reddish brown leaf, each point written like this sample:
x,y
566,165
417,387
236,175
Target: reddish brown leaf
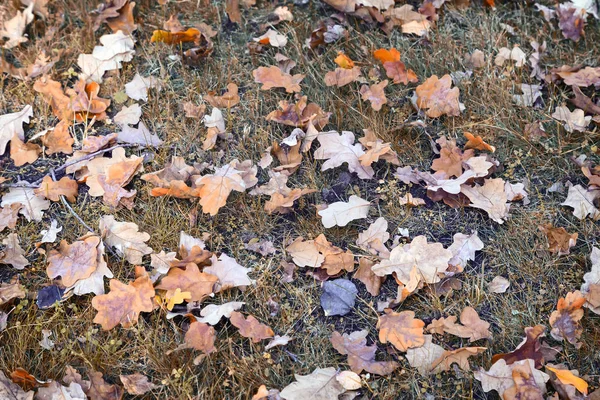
x,y
250,327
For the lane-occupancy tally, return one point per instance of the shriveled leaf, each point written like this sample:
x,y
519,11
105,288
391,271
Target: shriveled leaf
x,y
12,124
565,321
137,384
559,241
12,253
437,98
212,313
473,327
375,94
32,206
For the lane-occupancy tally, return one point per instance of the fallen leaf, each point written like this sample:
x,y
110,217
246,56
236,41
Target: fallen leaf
x,y
530,348
305,253
498,285
340,148
401,329
341,213
250,327
341,76
366,276
490,197
200,336
198,284
375,94
571,21
52,190
230,274
212,313
319,385
565,320
500,376
374,238
137,384
273,77
214,189
123,304
516,54
13,254
10,291
525,385
473,327
582,202
559,241
338,297
458,356
273,38
463,248
73,262
423,357
227,100
23,153
12,124
477,143
437,98
9,215
278,341
567,377
14,28
360,356
175,38
10,391
451,158
128,115
137,89
125,238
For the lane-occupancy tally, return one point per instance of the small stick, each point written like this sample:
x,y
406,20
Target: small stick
x,y
68,206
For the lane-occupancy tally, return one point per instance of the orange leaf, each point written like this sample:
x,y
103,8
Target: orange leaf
x,y
384,55
477,143
201,336
123,304
565,320
53,190
438,98
23,153
344,61
566,377
228,100
273,77
59,140
190,35
190,279
251,327
401,329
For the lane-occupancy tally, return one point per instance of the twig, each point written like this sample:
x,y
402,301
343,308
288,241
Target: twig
x,y
68,206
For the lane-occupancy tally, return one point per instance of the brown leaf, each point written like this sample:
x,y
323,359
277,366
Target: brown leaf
x,y
9,216
366,276
190,279
376,149
581,78
23,153
215,188
525,385
283,203
458,356
273,77
200,336
13,254
232,8
137,384
10,291
473,327
342,76
100,390
175,38
571,21
401,329
59,140
85,103
375,94
477,143
583,102
300,114
124,21
451,158
73,262
531,347
565,320
491,197
250,327
559,240
52,190
360,356
53,94
227,100
437,98
123,304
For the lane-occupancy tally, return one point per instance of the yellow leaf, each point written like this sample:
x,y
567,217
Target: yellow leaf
x,y
566,377
176,297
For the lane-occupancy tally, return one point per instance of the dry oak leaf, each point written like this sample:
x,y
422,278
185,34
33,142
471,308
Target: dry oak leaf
x,y
289,157
53,94
283,203
530,348
137,89
32,206
12,391
212,313
12,253
458,356
451,158
500,376
415,262
14,28
230,274
437,98
321,384
59,140
199,284
336,260
463,248
376,150
473,327
582,202
214,189
98,389
250,327
341,76
498,285
559,240
273,77
343,61
74,262
360,356
9,216
123,304
375,94
374,238
516,54
189,35
491,197
305,253
52,190
366,276
23,153
56,391
123,21
273,38
565,320
422,358
301,115
566,377
585,103
477,143
136,384
12,124
525,386
571,21
340,148
582,78
394,68
573,121
200,336
115,49
125,238
85,102
401,329
341,213
227,100
232,8
410,201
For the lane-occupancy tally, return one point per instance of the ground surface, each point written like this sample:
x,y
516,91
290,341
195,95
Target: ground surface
x,y
515,249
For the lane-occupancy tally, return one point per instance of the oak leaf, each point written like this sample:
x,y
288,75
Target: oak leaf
x,y
230,274
582,202
136,384
565,321
273,77
189,35
305,253
9,215
342,76
422,358
498,285
360,356
214,189
375,94
582,78
568,378
250,327
458,356
525,386
115,49
12,253
32,206
200,336
571,21
123,21
273,38
340,148
12,124
227,100
573,120
416,262
59,140
530,348
199,284
23,153
463,248
73,262
301,115
451,158
283,203
516,54
14,28
559,240
85,102
437,98
366,276
376,150
53,190
473,327
374,238
125,238
490,197
500,376
341,213
212,313
318,385
401,329
123,304
477,143
137,89
394,68
53,94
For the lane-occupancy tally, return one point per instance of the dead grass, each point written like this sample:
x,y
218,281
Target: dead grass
x,y
514,250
